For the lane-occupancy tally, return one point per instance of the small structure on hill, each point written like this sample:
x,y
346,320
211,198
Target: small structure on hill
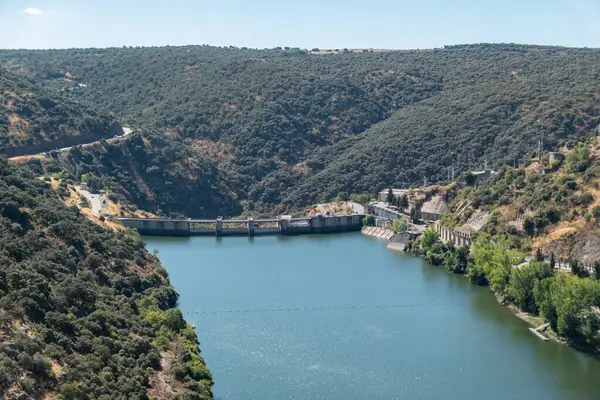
x,y
555,156
398,193
432,209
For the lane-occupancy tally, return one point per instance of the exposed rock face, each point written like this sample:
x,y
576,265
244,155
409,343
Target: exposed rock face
x,y
476,221
586,248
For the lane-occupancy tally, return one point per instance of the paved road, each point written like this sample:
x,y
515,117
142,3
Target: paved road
x,y
94,199
126,132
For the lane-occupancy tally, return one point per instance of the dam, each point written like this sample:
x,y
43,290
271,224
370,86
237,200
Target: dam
x,y
244,227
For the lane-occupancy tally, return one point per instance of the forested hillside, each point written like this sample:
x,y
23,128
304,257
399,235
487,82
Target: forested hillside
x,y
286,128
154,173
85,311
35,119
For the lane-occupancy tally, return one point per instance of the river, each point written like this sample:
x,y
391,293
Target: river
x,y
342,317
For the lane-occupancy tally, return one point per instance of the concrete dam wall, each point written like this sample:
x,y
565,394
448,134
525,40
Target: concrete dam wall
x,y
244,227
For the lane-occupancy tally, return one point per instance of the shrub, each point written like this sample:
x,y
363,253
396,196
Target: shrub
x,y
178,372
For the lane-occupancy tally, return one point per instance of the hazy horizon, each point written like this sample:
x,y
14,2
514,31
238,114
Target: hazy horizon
x,y
378,24
301,48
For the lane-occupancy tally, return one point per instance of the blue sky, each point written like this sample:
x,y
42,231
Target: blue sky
x,y
392,24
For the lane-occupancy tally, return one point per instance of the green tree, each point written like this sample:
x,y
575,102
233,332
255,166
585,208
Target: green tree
x,y
456,260
539,257
343,196
174,319
552,261
369,220
415,214
360,198
400,225
544,300
496,259
470,179
430,236
575,269
390,196
529,226
597,270
572,296
522,283
596,213
579,159
69,391
404,201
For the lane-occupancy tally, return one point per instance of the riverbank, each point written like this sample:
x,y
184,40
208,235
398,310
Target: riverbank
x,y
565,302
510,289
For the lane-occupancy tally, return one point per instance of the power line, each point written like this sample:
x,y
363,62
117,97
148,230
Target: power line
x,y
326,308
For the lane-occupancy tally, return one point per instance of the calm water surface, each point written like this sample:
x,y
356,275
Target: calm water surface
x,y
443,339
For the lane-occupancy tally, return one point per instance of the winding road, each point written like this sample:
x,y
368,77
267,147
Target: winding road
x,y
126,132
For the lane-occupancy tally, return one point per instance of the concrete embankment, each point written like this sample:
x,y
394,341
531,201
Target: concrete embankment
x,y
381,233
399,241
396,241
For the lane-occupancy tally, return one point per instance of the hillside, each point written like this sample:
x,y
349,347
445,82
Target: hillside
x,y
538,248
85,311
284,128
152,172
553,206
34,119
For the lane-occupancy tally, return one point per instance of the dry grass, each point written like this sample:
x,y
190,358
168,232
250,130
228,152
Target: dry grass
x,y
57,368
17,126
22,160
301,168
334,208
508,212
533,167
558,232
146,142
596,193
209,148
110,208
51,396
